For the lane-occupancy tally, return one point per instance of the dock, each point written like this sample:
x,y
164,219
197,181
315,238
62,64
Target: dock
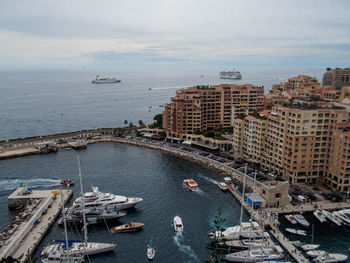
x,y
39,210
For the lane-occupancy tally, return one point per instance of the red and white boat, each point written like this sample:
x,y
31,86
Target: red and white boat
x,y
67,182
191,184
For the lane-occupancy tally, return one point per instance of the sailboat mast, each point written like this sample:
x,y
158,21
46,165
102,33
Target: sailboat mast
x,y
65,225
243,192
82,202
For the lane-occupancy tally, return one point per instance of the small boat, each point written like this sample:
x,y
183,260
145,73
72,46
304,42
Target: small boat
x,y
301,220
331,258
291,219
320,216
191,184
343,215
296,231
315,253
332,218
67,182
178,226
222,186
308,247
127,227
151,252
249,243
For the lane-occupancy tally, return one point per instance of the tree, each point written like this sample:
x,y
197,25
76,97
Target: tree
x,y
126,122
131,125
159,120
141,124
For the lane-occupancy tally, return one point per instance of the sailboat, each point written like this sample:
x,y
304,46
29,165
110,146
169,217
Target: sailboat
x,y
58,253
77,247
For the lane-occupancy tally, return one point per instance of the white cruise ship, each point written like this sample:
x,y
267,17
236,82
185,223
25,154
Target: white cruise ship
x,y
99,80
234,74
106,201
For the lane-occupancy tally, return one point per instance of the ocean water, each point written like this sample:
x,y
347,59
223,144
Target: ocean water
x,y
52,101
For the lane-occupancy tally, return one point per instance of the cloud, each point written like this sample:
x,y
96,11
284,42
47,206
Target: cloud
x,y
91,32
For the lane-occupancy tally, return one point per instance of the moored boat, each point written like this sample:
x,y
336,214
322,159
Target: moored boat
x,y
223,186
127,227
178,226
151,252
191,184
331,258
332,218
291,219
343,215
320,216
308,247
315,253
296,231
301,220
249,243
257,255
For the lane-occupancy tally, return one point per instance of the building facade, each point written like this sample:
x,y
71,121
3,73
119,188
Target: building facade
x,y
202,108
336,77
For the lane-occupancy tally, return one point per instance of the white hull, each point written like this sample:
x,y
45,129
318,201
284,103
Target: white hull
x,y
291,219
320,216
332,218
301,220
308,247
296,231
257,255
178,226
331,258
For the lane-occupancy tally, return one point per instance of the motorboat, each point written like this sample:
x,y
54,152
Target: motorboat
x,y
109,201
100,80
332,218
320,216
344,215
133,226
54,256
331,258
92,215
242,231
308,247
249,243
301,220
291,219
296,231
223,186
151,252
191,184
67,182
315,253
178,226
274,253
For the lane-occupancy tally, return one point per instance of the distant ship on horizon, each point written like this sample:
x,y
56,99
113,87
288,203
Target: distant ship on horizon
x,y
234,74
99,80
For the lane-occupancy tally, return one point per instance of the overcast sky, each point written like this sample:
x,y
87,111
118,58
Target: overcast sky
x,y
179,33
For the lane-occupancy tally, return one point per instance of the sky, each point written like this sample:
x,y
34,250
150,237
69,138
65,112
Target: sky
x,y
174,34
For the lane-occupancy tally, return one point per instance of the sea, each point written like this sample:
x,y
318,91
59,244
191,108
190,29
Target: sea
x,y
52,101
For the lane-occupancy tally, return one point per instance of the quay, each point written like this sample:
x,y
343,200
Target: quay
x,y
39,210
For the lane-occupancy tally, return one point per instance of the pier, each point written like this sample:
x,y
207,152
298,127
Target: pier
x,y
20,239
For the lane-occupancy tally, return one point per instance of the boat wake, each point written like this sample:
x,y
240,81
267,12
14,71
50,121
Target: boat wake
x,y
200,192
207,179
12,184
178,239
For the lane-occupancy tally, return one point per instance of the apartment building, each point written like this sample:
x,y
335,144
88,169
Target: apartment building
x,y
202,108
298,144
336,77
298,82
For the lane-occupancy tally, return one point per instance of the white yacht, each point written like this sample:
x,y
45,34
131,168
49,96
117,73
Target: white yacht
x,y
257,255
244,230
320,216
99,80
301,220
178,226
315,253
296,231
332,218
291,219
308,247
223,186
97,199
344,215
331,258
249,243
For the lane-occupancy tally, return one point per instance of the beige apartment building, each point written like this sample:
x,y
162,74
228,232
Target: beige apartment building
x,y
336,77
202,108
299,82
297,144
